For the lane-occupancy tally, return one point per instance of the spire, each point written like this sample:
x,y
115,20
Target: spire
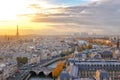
x,y
17,32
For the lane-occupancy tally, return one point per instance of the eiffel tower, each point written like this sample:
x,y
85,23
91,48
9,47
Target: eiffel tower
x,y
17,32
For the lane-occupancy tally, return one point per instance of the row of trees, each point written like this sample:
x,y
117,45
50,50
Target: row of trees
x,y
103,43
81,48
22,60
56,72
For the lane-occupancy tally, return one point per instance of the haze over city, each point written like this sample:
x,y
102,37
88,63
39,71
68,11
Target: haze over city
x,y
59,16
59,39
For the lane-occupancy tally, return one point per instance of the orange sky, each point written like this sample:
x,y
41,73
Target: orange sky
x,y
10,16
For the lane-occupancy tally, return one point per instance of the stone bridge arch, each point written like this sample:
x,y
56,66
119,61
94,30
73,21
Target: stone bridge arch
x,y
50,74
41,73
33,73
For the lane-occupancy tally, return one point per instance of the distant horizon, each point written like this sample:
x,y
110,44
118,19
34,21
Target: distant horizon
x,y
37,34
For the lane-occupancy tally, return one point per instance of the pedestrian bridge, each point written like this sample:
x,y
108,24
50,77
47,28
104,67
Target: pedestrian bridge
x,y
41,71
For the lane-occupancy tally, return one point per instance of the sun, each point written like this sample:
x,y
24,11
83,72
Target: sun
x,y
9,9
6,11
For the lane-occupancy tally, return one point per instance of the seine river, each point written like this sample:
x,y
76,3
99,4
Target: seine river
x,y
38,78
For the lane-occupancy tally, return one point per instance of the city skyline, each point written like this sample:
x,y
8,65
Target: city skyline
x,y
59,17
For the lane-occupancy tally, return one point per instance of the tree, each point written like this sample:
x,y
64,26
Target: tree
x,y
89,46
56,72
22,60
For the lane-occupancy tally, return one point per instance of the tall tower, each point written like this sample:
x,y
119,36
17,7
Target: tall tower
x,y
17,32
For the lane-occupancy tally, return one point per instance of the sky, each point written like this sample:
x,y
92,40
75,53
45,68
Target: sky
x,y
52,17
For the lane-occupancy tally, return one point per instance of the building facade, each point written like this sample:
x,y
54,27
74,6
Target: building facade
x,y
88,69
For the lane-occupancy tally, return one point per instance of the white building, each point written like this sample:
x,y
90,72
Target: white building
x,y
7,70
33,59
82,42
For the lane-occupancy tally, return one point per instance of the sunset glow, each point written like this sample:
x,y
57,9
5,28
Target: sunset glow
x,y
58,16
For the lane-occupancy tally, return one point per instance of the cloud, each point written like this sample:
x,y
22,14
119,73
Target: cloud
x,y
34,6
100,16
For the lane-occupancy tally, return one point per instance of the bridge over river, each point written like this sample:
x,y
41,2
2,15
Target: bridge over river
x,y
42,70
